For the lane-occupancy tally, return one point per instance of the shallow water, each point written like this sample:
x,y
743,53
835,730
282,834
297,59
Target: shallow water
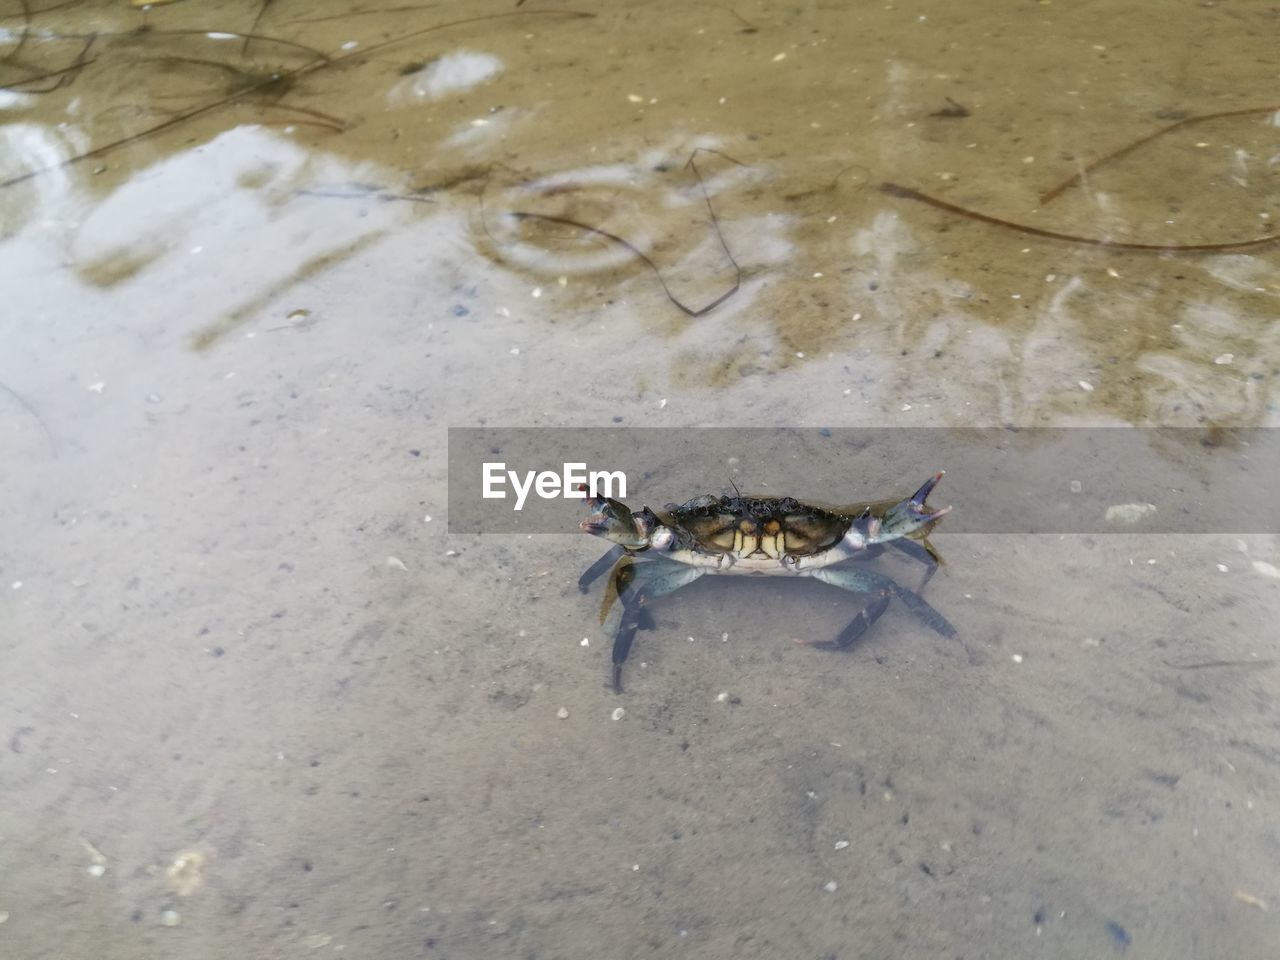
x,y
256,700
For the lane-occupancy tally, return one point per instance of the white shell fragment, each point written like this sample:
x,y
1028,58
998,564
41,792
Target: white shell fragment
x,y
186,874
618,713
96,856
842,844
831,886
562,713
170,918
396,563
1129,512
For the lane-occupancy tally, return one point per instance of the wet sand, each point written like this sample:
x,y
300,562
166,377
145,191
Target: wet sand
x,y
254,703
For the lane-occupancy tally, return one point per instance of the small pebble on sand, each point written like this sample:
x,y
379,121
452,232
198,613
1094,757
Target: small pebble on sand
x,y
842,844
170,918
562,713
831,886
1129,512
1245,897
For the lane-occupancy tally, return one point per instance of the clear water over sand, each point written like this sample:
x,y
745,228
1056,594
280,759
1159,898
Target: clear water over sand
x,y
255,701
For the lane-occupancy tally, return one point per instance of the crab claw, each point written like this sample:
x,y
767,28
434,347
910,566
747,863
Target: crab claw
x,y
912,514
613,520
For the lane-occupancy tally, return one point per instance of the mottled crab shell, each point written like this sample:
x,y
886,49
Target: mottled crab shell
x,y
720,524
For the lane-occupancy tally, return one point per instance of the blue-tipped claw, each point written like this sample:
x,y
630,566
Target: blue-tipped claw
x,y
912,514
614,521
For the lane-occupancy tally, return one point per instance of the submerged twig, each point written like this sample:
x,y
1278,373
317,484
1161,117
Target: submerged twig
x,y
192,32
1208,664
64,74
368,194
1143,141
264,84
26,405
318,117
907,193
262,9
644,257
42,10
19,86
26,32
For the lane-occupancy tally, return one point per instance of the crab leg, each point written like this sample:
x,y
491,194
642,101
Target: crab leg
x,y
922,551
865,581
600,567
638,584
856,627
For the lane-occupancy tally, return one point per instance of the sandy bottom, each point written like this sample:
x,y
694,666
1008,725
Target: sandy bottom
x,y
257,702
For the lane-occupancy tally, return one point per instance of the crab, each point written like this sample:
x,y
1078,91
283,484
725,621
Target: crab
x,y
657,553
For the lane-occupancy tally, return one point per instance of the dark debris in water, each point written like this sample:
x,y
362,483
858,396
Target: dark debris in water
x,y
1119,935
